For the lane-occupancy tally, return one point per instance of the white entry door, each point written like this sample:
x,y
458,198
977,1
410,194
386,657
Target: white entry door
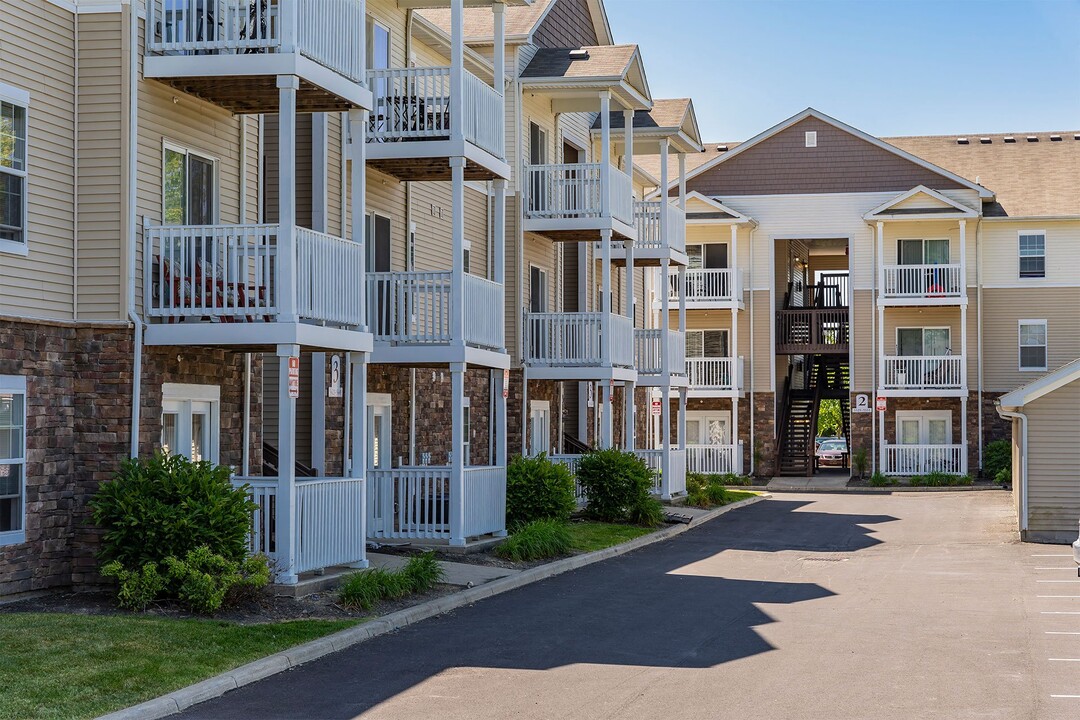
x,y
933,428
189,421
378,419
540,420
708,428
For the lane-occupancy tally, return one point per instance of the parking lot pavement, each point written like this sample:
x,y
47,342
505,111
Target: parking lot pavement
x,y
905,606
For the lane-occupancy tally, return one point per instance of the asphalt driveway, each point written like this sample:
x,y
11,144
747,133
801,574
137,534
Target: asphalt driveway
x,y
915,605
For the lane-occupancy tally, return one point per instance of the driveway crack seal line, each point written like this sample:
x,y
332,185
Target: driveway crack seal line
x,y
218,685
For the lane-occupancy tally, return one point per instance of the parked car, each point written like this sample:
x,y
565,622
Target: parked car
x,y
832,452
819,440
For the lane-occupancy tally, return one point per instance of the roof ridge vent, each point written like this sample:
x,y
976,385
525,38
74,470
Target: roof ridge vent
x,y
1033,138
1009,139
984,140
1055,138
579,54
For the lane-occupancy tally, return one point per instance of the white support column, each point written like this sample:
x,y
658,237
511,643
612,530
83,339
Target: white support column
x,y
665,310
963,257
736,461
664,239
525,414
665,443
286,239
358,199
605,297
499,230
457,233
457,70
607,421
682,298
286,529
682,182
881,377
628,141
457,456
318,412
682,418
500,420
358,430
605,154
628,416
880,233
498,11
963,349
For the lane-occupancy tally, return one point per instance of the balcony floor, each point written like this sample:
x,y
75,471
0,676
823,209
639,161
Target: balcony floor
x,y
438,356
257,336
429,160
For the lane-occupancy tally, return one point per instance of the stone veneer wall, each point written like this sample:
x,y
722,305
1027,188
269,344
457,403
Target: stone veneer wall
x,y
862,433
717,404
764,433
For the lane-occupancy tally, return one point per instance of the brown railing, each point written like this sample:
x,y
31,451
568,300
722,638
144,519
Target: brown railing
x,y
811,330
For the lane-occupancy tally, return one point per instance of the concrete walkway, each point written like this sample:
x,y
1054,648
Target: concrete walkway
x,y
827,481
461,574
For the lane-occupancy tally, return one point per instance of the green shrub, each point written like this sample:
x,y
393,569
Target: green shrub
x,y
1003,476
705,491
879,479
614,483
366,588
537,488
725,479
423,572
861,462
647,512
167,506
940,479
535,540
138,588
997,457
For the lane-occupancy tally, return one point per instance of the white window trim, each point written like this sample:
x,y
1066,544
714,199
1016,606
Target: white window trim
x,y
536,406
1046,346
702,331
17,384
570,140
188,393
923,416
370,46
466,411
1019,234
924,328
705,415
547,287
924,240
177,147
20,97
545,135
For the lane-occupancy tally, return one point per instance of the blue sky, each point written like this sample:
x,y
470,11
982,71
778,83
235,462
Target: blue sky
x,y
889,67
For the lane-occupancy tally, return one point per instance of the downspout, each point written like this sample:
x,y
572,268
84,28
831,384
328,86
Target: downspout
x,y
1015,415
75,177
753,403
519,255
133,147
245,468
979,339
874,329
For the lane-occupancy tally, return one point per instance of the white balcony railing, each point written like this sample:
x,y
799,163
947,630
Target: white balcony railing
x,y
329,520
942,372
714,459
231,273
713,373
922,459
414,502
575,339
415,104
575,191
922,281
325,31
709,285
650,228
649,350
415,308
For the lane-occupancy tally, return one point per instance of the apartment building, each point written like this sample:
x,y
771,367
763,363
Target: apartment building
x,y
914,280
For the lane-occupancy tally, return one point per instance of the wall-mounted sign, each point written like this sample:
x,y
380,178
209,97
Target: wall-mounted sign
x,y
590,386
862,403
335,390
506,384
294,377
881,403
658,407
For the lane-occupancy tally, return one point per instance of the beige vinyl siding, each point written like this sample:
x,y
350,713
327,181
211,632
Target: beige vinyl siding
x,y
302,174
334,166
1000,259
1002,311
945,230
927,317
762,318
389,15
431,211
386,197
271,375
101,266
37,50
864,343
1053,459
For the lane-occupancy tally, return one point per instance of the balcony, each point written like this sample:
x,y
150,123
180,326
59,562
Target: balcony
x,y
416,119
415,503
329,521
649,351
657,239
714,376
232,285
714,459
570,346
709,288
921,459
573,202
810,331
922,285
940,375
230,52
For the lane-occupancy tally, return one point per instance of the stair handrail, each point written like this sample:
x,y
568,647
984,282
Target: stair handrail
x,y
785,412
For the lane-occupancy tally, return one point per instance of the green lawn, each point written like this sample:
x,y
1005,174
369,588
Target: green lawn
x,y
589,536
81,666
734,496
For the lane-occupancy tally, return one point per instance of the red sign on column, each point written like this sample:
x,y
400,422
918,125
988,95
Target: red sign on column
x,y
881,403
657,407
294,377
506,384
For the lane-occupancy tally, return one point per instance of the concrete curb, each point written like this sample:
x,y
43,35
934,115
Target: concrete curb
x,y
217,686
886,490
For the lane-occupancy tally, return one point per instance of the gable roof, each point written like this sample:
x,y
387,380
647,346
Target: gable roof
x,y
694,160
902,207
1029,179
713,211
811,113
673,119
1026,394
521,22
615,67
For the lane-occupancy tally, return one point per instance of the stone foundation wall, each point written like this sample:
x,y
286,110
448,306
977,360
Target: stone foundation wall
x,y
764,434
862,433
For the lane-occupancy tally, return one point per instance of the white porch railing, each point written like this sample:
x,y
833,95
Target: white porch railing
x,y
328,271
714,373
649,350
415,104
575,339
230,273
414,502
922,281
714,459
942,372
574,191
650,229
922,459
678,472
327,31
416,308
709,285
329,520
654,459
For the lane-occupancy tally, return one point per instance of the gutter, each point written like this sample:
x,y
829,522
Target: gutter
x,y
1017,415
133,147
753,403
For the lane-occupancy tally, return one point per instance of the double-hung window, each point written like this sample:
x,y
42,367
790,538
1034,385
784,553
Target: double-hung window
x,y
189,187
1032,254
12,458
1032,345
190,421
13,178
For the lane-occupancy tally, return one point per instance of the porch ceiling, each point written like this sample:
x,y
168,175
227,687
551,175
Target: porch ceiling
x,y
252,94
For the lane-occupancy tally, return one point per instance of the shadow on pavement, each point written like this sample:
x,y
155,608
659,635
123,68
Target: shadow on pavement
x,y
640,609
